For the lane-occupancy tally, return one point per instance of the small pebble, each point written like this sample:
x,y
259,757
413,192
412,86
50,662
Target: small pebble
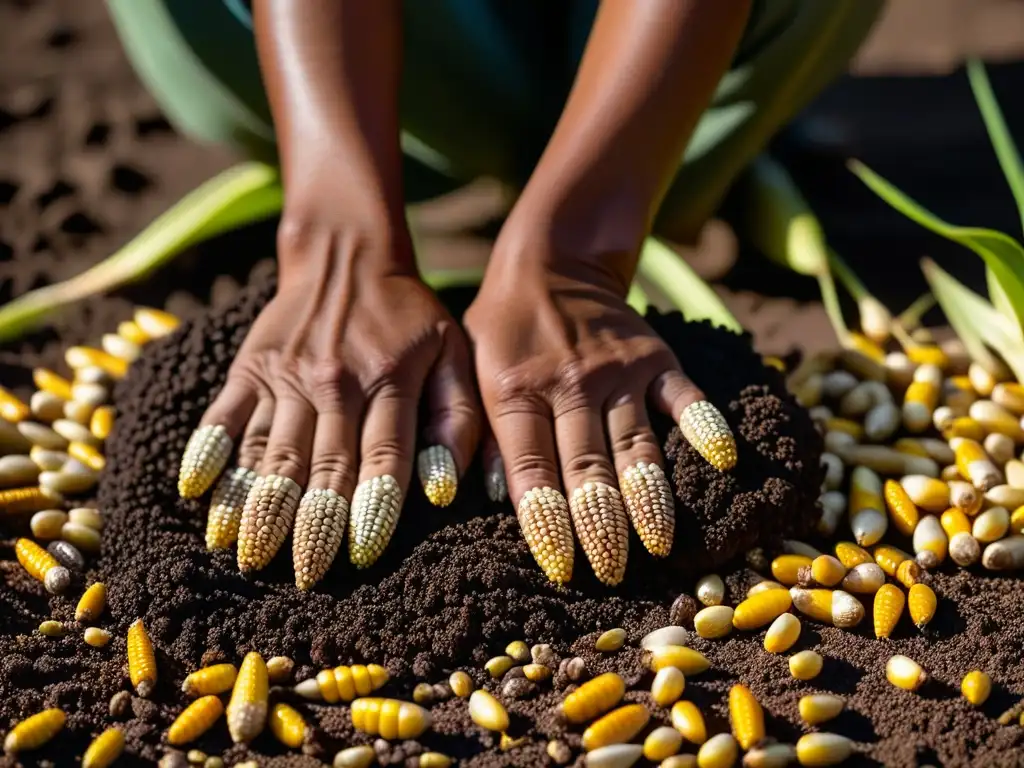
x,y
682,611
758,560
397,756
611,641
119,704
514,673
576,669
96,637
383,750
411,748
67,554
543,654
559,752
520,688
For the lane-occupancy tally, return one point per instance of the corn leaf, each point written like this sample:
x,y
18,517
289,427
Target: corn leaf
x,y
682,286
1002,254
998,133
976,322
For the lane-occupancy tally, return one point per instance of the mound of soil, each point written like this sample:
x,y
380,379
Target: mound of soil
x,y
453,588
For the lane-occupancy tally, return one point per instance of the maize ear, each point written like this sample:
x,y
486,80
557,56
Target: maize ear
x,y
889,602
594,697
214,679
195,720
618,726
343,683
543,515
746,716
247,708
33,732
287,725
922,603
902,511
104,749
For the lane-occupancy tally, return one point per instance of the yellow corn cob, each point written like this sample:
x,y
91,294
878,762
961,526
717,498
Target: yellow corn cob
x,y
785,568
974,464
205,455
438,474
92,602
908,573
922,603
686,660
668,686
782,634
390,718
704,427
889,602
648,499
602,527
487,712
16,501
195,720
544,518
746,716
141,659
319,529
155,322
43,566
976,686
851,555
83,357
827,570
287,725
902,510
889,558
818,709
12,408
617,727
267,517
247,709
226,505
823,749
762,608
905,673
214,679
102,421
32,732
593,697
104,750
343,683
688,720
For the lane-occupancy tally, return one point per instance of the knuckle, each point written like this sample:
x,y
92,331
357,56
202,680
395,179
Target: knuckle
x,y
386,452
530,464
285,459
382,371
511,384
332,469
632,440
588,465
253,446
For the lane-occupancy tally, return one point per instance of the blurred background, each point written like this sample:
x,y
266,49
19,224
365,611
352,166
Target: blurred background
x,y
87,160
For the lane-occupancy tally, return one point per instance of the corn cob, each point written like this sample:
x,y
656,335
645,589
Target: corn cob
x,y
544,518
593,697
618,726
344,683
375,508
889,602
648,499
746,716
205,456
319,531
41,565
267,517
889,558
394,719
33,732
922,603
20,500
104,749
214,679
92,602
438,474
851,555
247,709
141,659
704,427
902,510
602,527
195,720
225,513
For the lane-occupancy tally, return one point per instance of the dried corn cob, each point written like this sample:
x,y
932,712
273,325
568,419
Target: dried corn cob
x,y
391,718
343,683
375,508
33,732
648,499
141,659
618,726
20,500
267,517
205,456
247,709
319,531
603,530
43,566
225,513
544,518
438,474
707,431
287,725
92,602
889,602
104,749
902,511
214,679
746,716
593,697
195,720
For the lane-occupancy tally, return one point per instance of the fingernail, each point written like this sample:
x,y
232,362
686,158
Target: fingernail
x,y
267,517
494,481
226,507
603,530
706,429
438,475
205,455
544,517
648,498
319,529
376,505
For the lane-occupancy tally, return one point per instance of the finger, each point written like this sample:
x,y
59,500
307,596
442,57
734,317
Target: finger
x,y
594,500
323,511
270,506
454,427
525,439
210,445
494,469
638,461
388,442
231,490
703,425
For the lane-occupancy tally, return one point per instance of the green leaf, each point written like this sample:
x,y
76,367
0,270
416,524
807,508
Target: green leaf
x,y
682,286
976,322
1002,139
1002,254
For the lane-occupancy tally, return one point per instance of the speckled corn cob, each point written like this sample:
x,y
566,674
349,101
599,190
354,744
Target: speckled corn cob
x,y
648,499
226,507
267,517
205,455
247,709
603,530
34,499
544,517
705,429
376,505
141,659
438,474
319,529
494,481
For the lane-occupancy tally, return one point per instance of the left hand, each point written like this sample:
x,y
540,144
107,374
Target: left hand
x,y
566,368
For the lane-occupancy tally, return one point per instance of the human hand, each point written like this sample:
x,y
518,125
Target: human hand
x,y
324,394
566,369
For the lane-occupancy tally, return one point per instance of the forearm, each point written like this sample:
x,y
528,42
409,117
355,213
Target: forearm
x,y
648,72
331,70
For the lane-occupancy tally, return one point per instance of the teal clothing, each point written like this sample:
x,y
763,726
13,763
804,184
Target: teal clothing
x,y
484,82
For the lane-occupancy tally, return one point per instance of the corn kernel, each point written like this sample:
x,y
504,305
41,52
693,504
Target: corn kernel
x,y
83,357
930,542
12,408
33,732
355,757
782,634
711,590
461,684
864,579
713,622
488,713
498,666
1004,496
609,641
919,403
761,586
770,756
719,751
820,708
195,720
155,322
746,716
786,567
835,607
96,637
19,500
618,726
926,492
846,426
17,471
614,756
963,427
704,427
819,749
889,603
102,422
851,555
889,558
423,693
905,673
1006,554
104,749
594,697
964,549
214,679
974,464
287,725
536,672
686,660
999,447
688,720
909,573
805,665
434,760
662,743
92,602
343,683
991,525
902,510
51,629
668,686
827,570
762,608
976,687
995,418
922,603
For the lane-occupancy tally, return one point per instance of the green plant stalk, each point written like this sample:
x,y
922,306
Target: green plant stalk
x,y
682,286
243,194
910,318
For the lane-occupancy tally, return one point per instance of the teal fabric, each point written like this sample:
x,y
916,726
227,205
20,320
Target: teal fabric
x,y
485,80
